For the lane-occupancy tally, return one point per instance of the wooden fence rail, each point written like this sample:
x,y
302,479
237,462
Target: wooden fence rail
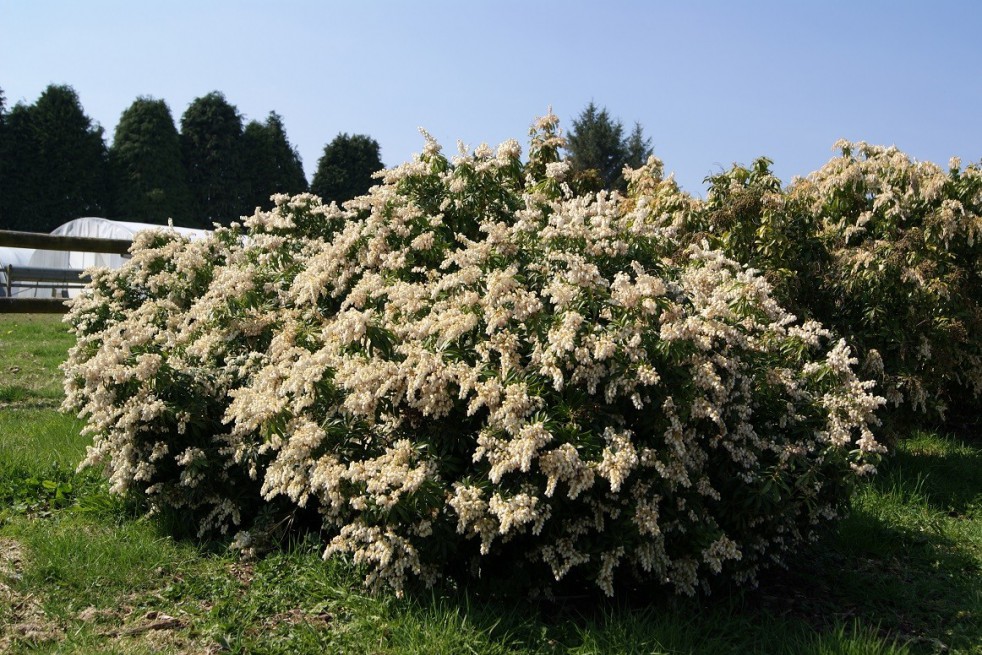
x,y
40,241
48,278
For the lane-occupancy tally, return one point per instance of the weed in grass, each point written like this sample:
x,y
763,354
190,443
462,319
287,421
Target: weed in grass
x,y
32,495
39,450
11,393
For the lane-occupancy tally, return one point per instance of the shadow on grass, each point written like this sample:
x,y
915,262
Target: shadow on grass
x,y
915,587
946,474
906,559
295,603
905,567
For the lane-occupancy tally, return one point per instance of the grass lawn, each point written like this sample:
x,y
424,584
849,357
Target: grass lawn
x,y
84,572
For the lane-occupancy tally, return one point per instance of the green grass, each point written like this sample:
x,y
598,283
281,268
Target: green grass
x,y
87,573
37,438
31,348
909,558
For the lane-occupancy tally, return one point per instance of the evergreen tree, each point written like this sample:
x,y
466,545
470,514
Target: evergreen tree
x,y
56,163
211,143
149,183
598,150
345,169
637,148
19,166
271,164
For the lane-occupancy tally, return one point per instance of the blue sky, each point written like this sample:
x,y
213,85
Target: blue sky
x,y
712,83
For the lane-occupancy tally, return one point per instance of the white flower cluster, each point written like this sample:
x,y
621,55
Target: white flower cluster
x,y
903,242
152,404
467,371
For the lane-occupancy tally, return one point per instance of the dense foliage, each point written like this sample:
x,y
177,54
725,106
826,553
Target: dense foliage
x,y
346,168
149,183
473,371
883,251
56,163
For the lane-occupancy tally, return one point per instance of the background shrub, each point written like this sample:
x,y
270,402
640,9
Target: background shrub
x,y
903,284
880,249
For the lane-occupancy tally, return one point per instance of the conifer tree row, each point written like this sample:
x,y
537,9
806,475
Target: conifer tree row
x,y
55,164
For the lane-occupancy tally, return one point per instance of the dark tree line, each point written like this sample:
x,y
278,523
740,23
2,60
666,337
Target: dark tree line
x,y
146,167
55,164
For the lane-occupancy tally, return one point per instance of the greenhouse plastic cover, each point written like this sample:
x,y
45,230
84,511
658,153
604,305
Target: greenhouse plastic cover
x,y
90,226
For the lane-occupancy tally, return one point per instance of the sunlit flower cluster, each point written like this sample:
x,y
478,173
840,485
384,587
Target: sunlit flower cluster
x,y
904,252
884,251
471,371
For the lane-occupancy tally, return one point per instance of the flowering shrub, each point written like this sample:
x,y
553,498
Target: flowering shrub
x,y
903,280
153,406
882,251
471,370
748,216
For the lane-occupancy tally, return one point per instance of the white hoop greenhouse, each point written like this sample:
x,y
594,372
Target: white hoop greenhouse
x,y
55,260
